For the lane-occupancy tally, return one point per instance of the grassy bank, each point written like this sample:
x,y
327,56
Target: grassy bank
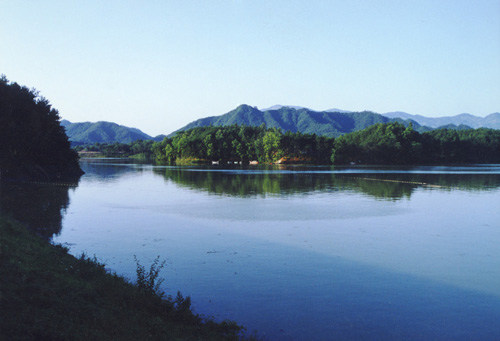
x,y
47,294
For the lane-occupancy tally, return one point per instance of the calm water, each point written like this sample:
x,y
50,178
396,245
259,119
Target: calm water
x,y
297,253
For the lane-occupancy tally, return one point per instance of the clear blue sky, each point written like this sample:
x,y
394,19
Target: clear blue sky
x,y
158,65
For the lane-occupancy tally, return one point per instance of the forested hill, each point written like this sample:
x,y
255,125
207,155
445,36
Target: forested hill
x,y
103,132
303,120
330,123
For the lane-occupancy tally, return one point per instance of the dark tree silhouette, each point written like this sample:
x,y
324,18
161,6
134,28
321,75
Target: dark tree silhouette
x,y
33,144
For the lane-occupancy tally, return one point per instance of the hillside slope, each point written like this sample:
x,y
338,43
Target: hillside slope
x,y
103,132
294,119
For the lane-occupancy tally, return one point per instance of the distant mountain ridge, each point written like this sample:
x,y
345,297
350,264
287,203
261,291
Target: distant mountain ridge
x,y
103,132
296,119
490,121
336,122
331,122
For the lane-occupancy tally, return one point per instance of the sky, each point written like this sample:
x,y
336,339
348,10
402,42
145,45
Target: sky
x,y
158,65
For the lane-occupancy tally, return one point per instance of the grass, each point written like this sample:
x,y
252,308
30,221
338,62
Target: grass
x,y
47,294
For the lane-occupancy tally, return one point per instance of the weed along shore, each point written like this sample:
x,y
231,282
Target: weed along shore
x,y
47,294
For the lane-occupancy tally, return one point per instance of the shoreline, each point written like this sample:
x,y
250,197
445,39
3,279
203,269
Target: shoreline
x,y
46,293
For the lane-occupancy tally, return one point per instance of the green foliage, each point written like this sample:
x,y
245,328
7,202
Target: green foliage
x,y
388,143
243,144
393,143
33,142
271,143
331,124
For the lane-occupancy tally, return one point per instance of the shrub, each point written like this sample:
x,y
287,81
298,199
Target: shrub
x,y
148,281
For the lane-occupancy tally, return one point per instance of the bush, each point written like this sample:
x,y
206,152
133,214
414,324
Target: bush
x,y
149,282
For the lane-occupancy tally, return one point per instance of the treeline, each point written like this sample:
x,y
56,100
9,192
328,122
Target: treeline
x,y
141,148
243,144
390,143
33,144
393,143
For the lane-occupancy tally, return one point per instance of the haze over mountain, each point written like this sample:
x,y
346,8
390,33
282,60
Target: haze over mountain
x,y
490,121
279,106
103,132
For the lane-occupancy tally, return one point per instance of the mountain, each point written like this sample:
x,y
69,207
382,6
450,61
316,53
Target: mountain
x,y
296,119
103,132
490,121
332,122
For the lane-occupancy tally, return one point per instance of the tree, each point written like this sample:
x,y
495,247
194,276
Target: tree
x,y
209,146
271,144
170,153
33,144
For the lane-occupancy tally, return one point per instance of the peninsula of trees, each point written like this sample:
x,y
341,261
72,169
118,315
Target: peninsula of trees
x,y
389,143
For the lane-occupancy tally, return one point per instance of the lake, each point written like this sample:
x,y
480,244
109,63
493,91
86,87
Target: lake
x,y
295,252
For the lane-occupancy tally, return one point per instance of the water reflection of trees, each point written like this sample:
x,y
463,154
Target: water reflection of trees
x,y
245,184
391,186
39,206
108,169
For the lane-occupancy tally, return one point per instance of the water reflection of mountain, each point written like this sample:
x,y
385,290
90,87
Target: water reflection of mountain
x,y
381,185
39,206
